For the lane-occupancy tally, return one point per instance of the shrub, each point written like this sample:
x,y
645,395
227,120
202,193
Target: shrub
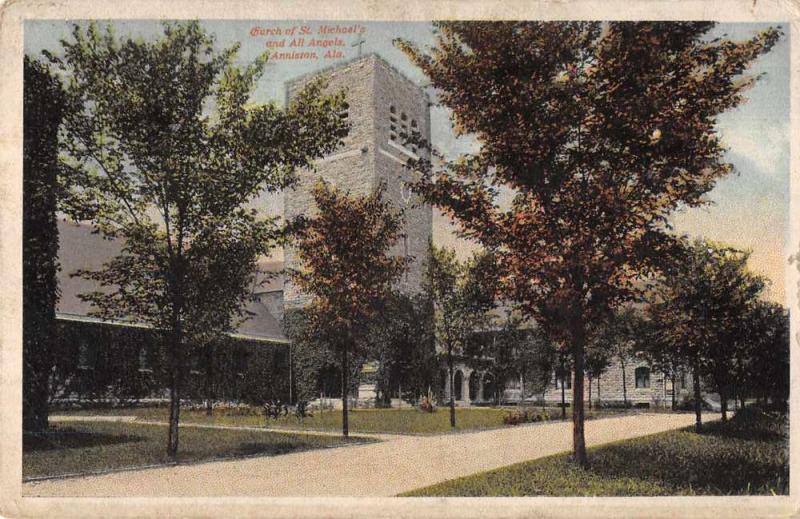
x,y
518,416
426,405
301,409
687,404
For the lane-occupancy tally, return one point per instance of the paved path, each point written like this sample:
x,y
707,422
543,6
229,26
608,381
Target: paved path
x,y
387,468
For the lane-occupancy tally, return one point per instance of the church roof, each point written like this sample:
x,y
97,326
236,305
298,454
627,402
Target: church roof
x,y
79,248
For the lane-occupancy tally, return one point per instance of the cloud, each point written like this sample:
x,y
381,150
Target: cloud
x,y
765,143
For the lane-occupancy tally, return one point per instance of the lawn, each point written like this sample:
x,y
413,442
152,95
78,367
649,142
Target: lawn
x,y
744,456
83,447
403,421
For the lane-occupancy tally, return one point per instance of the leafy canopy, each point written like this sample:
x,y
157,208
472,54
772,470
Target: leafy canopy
x,y
163,148
344,256
599,131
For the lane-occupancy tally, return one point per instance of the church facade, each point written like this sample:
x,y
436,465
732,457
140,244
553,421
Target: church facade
x,y
384,107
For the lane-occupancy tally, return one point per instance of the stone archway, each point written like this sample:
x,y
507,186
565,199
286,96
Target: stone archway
x,y
474,386
458,382
489,387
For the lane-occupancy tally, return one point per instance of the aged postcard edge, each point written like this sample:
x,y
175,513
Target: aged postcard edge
x,y
13,14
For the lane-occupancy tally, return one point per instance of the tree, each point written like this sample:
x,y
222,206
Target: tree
x,y
661,354
346,268
538,362
598,359
762,356
599,131
701,307
617,337
164,151
42,111
400,337
461,295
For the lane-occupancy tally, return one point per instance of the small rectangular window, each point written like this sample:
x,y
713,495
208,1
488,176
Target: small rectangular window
x,y
642,378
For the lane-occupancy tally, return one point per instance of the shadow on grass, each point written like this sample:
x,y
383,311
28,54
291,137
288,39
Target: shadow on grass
x,y
68,438
726,458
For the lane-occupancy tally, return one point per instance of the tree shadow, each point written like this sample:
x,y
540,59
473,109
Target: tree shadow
x,y
723,460
72,439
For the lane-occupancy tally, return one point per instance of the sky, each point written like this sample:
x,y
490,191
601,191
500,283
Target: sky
x,y
750,208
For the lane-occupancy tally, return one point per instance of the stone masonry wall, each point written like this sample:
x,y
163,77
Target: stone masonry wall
x,y
366,158
350,168
411,111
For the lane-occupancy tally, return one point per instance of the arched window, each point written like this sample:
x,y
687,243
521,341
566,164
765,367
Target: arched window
x,y
403,116
642,377
458,382
392,109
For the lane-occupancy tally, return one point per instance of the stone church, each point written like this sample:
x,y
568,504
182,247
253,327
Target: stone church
x,y
384,108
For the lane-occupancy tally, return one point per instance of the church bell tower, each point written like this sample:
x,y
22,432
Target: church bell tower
x,y
384,107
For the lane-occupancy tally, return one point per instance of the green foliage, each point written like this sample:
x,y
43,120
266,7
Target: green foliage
x,y
600,131
315,367
347,269
707,312
162,150
42,112
400,338
741,457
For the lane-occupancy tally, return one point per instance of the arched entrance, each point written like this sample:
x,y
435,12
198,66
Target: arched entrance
x,y
489,387
458,382
474,385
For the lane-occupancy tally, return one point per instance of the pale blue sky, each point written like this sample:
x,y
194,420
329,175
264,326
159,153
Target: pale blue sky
x,y
751,209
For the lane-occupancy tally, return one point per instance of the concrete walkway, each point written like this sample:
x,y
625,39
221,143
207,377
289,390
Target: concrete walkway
x,y
396,465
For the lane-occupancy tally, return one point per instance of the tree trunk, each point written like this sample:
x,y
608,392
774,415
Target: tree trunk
x,y
599,397
723,405
674,403
698,409
589,384
209,389
450,374
174,411
563,393
345,368
624,384
578,438
176,376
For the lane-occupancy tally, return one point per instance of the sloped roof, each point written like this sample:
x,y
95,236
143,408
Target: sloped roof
x,y
79,248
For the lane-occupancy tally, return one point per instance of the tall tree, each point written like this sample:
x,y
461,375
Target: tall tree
x,y
461,294
701,307
599,131
761,363
42,111
401,338
347,268
165,151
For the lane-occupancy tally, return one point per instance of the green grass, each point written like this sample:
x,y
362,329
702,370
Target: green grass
x,y
726,459
403,421
83,447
